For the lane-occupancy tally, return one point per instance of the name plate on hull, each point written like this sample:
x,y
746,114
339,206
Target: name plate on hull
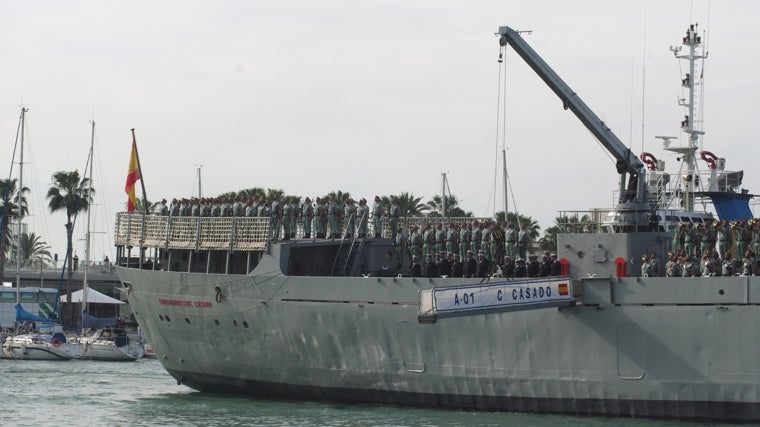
x,y
494,297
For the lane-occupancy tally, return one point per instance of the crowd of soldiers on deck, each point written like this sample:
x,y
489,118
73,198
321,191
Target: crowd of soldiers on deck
x,y
471,249
347,218
476,248
447,264
710,249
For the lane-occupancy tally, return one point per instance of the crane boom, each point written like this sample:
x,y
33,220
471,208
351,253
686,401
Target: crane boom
x,y
627,162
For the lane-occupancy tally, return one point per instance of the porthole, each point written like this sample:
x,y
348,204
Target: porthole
x,y
161,317
216,321
187,320
245,324
234,322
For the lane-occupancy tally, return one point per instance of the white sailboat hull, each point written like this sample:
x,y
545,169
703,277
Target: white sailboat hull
x,y
33,347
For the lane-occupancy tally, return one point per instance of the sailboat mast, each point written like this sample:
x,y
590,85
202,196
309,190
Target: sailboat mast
x,y
87,235
19,210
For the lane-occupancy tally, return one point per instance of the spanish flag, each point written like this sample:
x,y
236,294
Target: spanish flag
x,y
132,176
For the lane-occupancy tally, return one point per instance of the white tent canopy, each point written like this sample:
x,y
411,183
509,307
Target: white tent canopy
x,y
93,296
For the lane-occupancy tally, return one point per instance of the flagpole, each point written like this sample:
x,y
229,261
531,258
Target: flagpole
x,y
145,198
139,169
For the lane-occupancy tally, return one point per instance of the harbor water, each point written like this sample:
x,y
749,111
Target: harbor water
x,y
141,393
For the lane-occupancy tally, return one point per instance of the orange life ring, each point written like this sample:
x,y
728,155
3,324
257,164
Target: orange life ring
x,y
57,342
710,158
649,160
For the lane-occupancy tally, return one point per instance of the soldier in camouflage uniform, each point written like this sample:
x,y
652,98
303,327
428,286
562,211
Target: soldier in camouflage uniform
x,y
295,217
415,242
174,208
743,238
275,218
477,236
511,241
428,241
340,216
399,244
287,214
707,238
307,214
238,208
523,241
485,241
332,217
450,238
320,212
723,239
362,217
465,239
377,216
395,214
440,239
349,215
225,209
688,239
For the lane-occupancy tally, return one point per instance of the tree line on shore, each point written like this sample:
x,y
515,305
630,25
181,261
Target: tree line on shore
x,y
69,193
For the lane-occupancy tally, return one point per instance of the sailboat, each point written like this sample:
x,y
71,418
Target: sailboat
x,y
105,341
27,343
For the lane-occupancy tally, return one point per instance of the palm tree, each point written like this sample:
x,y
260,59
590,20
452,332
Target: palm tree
x,y
139,205
452,207
72,194
274,194
34,251
517,219
340,196
10,197
566,224
407,203
254,192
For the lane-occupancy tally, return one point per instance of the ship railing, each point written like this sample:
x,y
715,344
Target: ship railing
x,y
206,233
233,233
665,189
588,221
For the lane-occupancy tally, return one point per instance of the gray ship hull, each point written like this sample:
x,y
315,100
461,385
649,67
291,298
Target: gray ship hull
x,y
654,347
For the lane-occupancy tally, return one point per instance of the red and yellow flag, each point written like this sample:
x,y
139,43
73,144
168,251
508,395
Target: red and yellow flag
x,y
132,176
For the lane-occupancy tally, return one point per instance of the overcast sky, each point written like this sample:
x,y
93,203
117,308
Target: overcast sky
x,y
369,97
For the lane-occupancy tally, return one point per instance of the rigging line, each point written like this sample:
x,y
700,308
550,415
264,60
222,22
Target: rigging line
x,y
34,178
499,102
504,144
99,221
7,196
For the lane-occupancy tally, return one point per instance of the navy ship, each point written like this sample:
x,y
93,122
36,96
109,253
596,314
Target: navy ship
x,y
229,307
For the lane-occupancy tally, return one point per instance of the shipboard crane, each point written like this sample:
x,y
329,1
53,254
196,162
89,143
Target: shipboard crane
x,y
633,195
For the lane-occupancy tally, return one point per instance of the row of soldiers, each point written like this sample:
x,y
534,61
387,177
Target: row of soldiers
x,y
449,265
350,217
696,239
494,240
332,218
708,264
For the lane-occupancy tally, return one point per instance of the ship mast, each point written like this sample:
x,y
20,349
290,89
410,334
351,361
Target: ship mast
x,y
20,211
692,40
85,287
